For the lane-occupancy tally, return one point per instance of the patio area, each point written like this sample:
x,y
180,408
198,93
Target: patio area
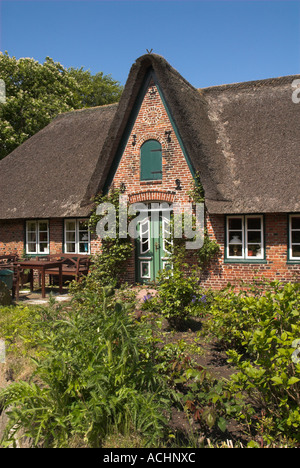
x,y
34,279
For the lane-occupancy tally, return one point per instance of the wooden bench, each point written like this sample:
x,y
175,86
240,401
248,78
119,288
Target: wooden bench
x,y
72,265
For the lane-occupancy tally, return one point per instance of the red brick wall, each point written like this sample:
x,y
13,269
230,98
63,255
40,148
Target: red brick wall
x,y
219,274
12,237
275,268
56,228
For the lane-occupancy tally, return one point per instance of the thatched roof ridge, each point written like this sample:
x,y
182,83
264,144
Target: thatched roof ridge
x,y
278,81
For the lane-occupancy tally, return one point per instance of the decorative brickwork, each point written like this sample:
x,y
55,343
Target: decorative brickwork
x,y
152,195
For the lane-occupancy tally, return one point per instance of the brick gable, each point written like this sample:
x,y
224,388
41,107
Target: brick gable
x,y
153,123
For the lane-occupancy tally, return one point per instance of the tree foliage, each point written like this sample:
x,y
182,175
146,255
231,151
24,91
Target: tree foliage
x,y
95,90
36,93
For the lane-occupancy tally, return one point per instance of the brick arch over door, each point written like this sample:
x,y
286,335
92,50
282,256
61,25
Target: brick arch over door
x,y
152,195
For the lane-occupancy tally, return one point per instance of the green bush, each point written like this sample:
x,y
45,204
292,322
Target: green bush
x,y
98,377
17,329
210,402
178,295
263,331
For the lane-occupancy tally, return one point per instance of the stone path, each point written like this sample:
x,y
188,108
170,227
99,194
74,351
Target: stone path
x,y
32,298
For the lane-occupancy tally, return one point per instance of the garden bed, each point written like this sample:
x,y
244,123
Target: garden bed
x,y
220,375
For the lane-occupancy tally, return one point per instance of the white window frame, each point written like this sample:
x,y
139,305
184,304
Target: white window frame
x,y
244,241
38,242
77,241
148,262
145,236
291,243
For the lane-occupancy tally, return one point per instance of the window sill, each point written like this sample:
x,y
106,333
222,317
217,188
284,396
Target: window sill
x,y
245,261
293,262
36,254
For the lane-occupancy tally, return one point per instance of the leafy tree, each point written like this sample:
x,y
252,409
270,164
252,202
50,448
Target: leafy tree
x,y
95,90
36,93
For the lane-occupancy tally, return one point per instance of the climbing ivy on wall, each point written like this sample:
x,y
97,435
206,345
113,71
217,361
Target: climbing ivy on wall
x,y
210,248
110,264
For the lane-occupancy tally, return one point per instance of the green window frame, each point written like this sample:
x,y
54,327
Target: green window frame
x,y
151,160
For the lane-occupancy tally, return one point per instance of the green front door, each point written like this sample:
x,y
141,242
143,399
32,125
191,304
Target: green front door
x,y
153,247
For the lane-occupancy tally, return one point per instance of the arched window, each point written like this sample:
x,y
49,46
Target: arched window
x,y
151,160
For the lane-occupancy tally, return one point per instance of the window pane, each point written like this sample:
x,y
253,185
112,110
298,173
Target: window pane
x,y
254,236
70,225
32,237
43,226
83,236
43,247
145,227
296,237
254,223
70,236
31,248
296,251
235,224
235,250
254,250
83,225
83,247
296,222
145,269
31,226
43,236
70,247
235,237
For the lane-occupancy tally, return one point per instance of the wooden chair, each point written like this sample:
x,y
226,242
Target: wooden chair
x,y
72,265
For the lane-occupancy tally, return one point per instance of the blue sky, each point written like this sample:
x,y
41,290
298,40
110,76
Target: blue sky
x,y
208,42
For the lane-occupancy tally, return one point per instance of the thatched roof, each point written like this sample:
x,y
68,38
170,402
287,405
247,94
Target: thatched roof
x,y
244,139
257,129
48,175
189,111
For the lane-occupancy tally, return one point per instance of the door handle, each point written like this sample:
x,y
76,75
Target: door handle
x,y
156,245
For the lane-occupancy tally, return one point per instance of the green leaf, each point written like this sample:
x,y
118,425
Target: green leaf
x,y
222,424
277,380
293,380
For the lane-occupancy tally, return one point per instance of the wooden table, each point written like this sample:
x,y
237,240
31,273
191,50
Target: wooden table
x,y
41,266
